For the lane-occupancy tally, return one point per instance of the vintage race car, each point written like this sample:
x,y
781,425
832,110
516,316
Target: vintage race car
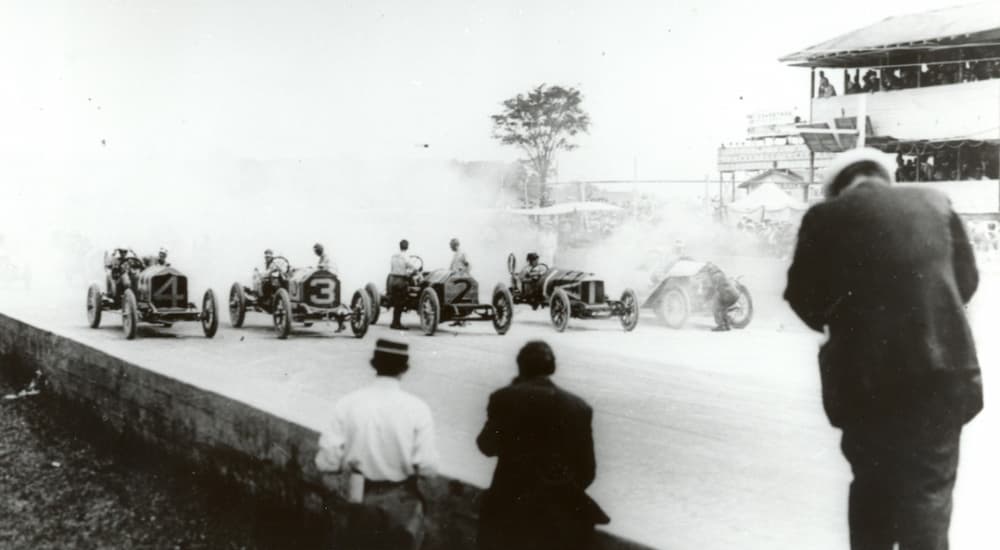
x,y
301,295
155,294
569,293
443,295
685,290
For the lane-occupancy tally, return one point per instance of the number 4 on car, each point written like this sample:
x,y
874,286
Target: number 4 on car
x,y
145,293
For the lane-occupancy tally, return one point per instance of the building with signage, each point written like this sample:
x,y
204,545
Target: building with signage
x,y
774,151
927,86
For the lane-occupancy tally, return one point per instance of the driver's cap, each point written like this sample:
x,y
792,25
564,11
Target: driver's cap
x,y
269,252
163,251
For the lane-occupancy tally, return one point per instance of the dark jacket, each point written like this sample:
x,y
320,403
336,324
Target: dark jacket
x,y
542,437
888,270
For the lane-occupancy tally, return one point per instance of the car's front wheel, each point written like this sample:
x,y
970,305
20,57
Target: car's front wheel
x,y
430,311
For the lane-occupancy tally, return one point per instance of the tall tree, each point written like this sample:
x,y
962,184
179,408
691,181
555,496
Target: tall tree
x,y
540,123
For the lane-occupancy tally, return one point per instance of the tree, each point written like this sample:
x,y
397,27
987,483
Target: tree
x,y
540,123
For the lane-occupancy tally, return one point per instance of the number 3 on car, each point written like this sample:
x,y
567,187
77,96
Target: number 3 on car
x,y
321,292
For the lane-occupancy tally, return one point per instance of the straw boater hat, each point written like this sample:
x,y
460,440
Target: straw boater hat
x,y
846,165
390,358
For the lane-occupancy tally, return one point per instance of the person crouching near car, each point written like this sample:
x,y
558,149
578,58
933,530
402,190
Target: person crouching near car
x,y
401,272
383,436
722,294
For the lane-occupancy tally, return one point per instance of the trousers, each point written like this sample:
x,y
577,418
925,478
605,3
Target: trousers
x,y
398,285
904,473
391,517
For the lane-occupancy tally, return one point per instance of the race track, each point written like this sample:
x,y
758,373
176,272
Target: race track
x,y
704,440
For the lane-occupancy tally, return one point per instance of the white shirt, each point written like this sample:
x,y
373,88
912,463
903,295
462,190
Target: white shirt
x,y
385,430
459,262
401,264
327,264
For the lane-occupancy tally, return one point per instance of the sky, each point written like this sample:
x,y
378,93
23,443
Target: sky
x,y
664,82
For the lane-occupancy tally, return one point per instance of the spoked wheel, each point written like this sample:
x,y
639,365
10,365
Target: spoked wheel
x,y
741,312
374,299
630,310
503,309
361,307
94,306
209,314
673,309
559,309
130,314
430,311
237,305
282,314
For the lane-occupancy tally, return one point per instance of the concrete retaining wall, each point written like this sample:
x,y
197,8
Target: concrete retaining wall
x,y
267,456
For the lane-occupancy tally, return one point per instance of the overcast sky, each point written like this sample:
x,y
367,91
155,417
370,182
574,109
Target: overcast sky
x,y
665,82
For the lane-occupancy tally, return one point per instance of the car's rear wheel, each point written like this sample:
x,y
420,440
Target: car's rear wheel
x,y
282,314
741,313
673,309
94,306
361,307
237,305
630,310
503,309
130,314
430,311
559,309
209,314
374,300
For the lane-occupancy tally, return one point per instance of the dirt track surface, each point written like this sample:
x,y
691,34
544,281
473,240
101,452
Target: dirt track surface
x,y
704,440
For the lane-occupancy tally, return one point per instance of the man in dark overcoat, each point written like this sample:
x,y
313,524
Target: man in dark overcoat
x,y
886,272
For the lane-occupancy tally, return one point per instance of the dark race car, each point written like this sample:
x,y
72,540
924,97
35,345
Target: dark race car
x,y
155,294
568,293
303,295
443,295
686,290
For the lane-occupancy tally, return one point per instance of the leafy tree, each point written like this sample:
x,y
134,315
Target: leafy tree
x,y
541,123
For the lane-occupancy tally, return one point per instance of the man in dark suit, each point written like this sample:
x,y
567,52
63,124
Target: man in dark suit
x,y
886,272
542,437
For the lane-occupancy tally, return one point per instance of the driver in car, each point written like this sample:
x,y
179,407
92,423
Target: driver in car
x,y
531,273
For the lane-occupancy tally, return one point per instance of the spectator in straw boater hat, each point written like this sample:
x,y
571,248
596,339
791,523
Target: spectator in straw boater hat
x,y
886,272
383,436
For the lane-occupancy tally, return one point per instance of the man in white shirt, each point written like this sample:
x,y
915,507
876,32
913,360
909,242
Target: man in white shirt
x,y
401,271
459,263
386,435
323,261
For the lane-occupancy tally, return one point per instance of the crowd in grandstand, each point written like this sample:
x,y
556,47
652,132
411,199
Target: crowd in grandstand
x,y
948,164
911,76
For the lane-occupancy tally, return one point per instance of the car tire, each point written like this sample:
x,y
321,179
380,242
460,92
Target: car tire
x,y
375,301
630,310
429,308
209,314
130,314
674,308
94,306
237,305
745,305
282,314
560,309
503,309
361,307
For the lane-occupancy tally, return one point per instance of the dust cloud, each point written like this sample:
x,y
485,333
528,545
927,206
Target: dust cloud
x,y
216,217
